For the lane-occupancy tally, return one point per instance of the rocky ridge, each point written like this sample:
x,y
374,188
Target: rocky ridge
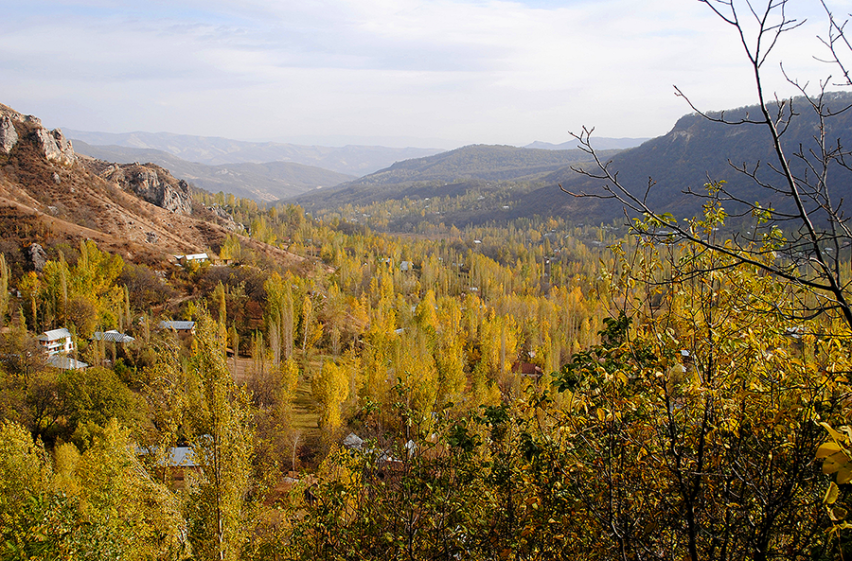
x,y
14,126
153,184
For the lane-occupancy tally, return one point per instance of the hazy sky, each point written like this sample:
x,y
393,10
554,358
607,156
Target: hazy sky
x,y
436,73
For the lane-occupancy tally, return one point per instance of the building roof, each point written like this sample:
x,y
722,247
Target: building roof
x,y
179,456
178,325
193,257
112,335
66,363
182,456
54,335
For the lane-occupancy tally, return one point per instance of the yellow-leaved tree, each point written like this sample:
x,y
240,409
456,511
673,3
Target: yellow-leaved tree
x,y
330,388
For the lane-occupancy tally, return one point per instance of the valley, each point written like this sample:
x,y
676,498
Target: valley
x,y
445,357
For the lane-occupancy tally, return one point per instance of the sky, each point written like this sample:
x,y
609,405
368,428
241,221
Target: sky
x,y
429,73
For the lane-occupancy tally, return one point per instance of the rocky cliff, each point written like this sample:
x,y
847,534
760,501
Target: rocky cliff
x,y
52,143
153,184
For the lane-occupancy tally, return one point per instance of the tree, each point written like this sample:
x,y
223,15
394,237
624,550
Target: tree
x,y
691,429
330,388
222,434
90,398
98,505
5,274
808,230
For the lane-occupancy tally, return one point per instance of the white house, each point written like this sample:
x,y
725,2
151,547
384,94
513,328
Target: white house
x,y
192,258
56,341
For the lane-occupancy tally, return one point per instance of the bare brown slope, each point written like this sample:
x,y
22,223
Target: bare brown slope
x,y
68,201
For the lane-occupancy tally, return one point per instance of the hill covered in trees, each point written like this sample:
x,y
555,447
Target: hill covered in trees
x,y
449,174
697,151
662,170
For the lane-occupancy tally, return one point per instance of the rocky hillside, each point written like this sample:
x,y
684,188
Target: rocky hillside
x,y
694,152
49,194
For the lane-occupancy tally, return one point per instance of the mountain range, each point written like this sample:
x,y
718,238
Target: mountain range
x,y
699,150
144,209
695,152
348,160
271,171
265,182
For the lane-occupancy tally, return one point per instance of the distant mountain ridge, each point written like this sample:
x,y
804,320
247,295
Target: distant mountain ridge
x,y
349,160
448,173
266,182
694,152
602,143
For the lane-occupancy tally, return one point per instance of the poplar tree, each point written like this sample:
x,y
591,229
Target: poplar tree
x,y
222,444
4,289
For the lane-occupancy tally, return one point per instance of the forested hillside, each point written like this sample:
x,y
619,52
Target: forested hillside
x,y
517,391
450,174
480,184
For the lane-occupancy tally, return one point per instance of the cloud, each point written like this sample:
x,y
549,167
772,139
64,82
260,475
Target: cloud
x,y
469,71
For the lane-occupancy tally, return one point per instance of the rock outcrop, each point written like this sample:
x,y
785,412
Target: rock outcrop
x,y
53,144
8,134
225,219
153,184
37,256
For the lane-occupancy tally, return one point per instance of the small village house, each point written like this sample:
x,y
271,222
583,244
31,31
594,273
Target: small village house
x,y
56,341
192,258
63,362
177,463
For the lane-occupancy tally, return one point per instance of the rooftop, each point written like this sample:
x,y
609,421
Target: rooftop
x,y
54,335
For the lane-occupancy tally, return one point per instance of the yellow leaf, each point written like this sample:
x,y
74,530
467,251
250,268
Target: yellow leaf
x,y
827,449
831,494
837,513
834,434
844,474
832,464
